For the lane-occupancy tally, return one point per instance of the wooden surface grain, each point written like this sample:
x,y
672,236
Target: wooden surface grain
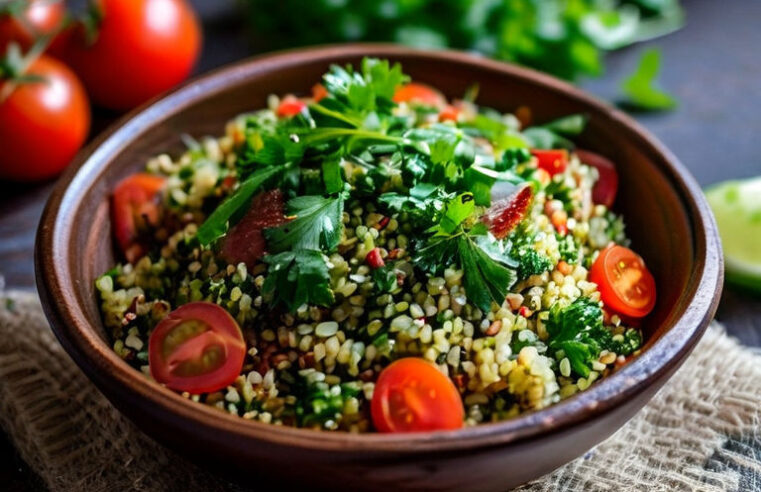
x,y
713,66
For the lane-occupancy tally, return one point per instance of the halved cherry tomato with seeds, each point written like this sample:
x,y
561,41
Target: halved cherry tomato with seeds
x,y
606,187
134,210
626,285
412,395
505,214
415,92
290,106
197,348
553,161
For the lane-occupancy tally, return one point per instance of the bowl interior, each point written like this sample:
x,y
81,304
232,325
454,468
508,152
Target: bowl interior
x,y
655,218
665,220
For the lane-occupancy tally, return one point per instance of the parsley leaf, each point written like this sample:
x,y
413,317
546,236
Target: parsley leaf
x,y
577,329
317,225
384,278
332,176
488,271
298,277
485,279
640,88
216,224
354,97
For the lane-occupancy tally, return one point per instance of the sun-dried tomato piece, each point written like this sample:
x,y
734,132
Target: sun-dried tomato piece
x,y
505,214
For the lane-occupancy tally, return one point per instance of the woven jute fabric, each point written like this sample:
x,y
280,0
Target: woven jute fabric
x,y
701,432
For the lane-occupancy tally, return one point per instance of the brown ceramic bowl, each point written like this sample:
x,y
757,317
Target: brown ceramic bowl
x,y
667,218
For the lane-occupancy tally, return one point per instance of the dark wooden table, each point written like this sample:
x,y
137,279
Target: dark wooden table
x,y
713,66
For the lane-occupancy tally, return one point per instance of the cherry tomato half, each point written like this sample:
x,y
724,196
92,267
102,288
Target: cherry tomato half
x,y
39,18
411,395
626,285
142,48
42,123
197,348
419,93
606,187
553,161
134,209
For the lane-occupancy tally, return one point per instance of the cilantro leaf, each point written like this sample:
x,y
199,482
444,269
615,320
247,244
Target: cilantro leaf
x,y
216,224
640,88
297,277
317,225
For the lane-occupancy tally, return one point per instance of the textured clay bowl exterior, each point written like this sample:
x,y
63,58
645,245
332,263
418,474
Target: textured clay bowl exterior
x,y
666,215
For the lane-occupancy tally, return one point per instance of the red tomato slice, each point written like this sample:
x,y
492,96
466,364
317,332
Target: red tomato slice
x,y
419,93
606,187
290,106
411,395
553,161
197,348
505,214
134,209
626,285
244,241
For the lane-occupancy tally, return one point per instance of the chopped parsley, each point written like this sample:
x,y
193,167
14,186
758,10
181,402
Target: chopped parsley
x,y
298,277
316,225
577,330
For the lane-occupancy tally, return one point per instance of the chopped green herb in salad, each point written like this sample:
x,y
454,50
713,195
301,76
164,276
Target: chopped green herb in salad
x,y
375,257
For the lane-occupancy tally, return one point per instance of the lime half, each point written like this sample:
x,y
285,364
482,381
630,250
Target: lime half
x,y
737,207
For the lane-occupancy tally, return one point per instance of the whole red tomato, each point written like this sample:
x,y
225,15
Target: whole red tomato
x,y
140,49
42,123
36,18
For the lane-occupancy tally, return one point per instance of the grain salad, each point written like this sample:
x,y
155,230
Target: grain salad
x,y
375,257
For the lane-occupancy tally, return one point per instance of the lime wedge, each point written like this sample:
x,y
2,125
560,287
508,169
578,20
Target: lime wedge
x,y
737,208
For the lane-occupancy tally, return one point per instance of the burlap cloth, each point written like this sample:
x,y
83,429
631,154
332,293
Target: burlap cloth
x,y
702,431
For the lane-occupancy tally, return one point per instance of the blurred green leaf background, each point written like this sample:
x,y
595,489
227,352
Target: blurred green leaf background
x,y
567,38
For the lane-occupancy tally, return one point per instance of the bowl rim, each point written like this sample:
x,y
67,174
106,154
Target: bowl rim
x,y
103,366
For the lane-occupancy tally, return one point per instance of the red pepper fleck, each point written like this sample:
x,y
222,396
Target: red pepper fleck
x,y
392,255
525,312
460,380
374,258
382,223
